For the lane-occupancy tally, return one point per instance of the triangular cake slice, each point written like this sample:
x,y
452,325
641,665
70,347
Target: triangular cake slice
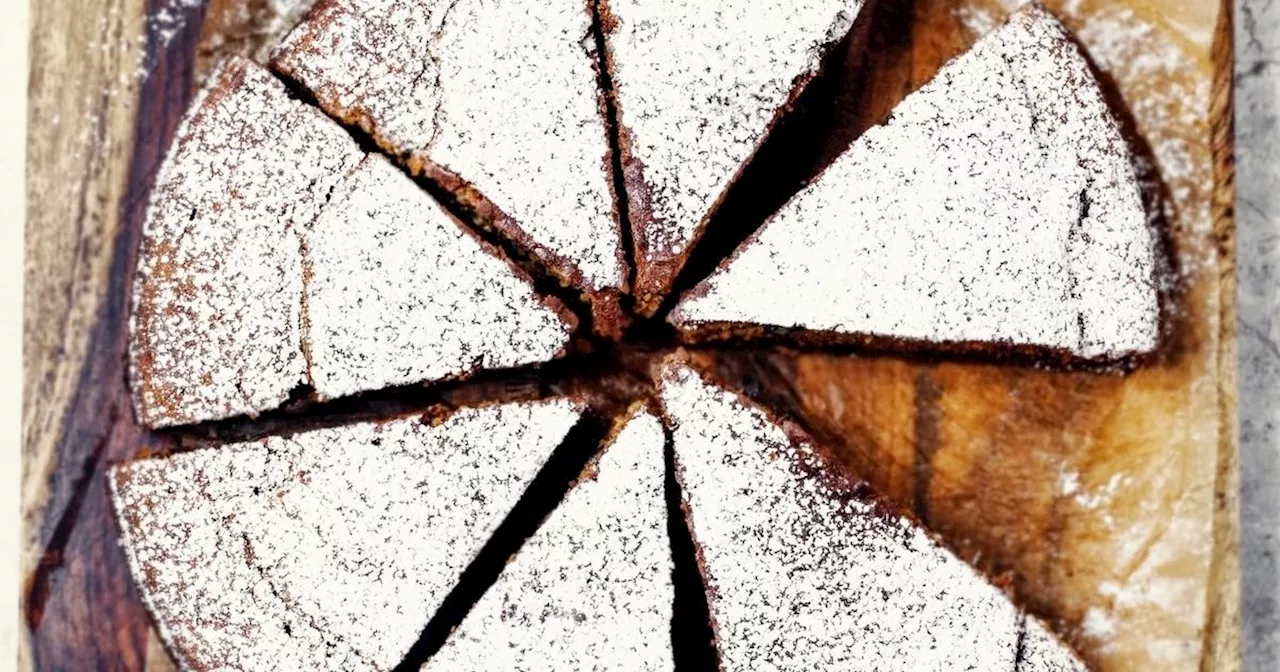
x,y
804,567
999,205
593,585
399,292
498,102
698,86
276,254
331,549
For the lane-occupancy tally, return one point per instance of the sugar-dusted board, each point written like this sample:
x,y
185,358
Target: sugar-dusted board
x,y
110,80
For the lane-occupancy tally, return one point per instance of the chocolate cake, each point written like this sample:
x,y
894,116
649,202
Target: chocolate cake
x,y
697,87
398,292
592,588
283,256
328,550
998,205
496,102
804,567
276,254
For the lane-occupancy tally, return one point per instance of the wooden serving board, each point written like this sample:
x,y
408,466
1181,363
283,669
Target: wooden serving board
x,y
1109,500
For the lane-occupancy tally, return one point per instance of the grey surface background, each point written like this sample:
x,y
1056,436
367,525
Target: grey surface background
x,y
1257,77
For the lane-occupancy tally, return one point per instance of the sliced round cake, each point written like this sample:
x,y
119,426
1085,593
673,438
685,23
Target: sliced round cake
x,y
999,205
293,248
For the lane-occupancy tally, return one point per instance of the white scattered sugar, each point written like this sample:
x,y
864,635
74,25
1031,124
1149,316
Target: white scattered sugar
x,y
803,572
1040,651
1068,483
592,585
999,204
212,608
330,550
400,293
503,95
215,320
170,18
698,84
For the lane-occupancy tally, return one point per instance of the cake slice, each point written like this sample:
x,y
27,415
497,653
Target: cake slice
x,y
698,86
497,102
398,292
217,298
804,567
592,587
999,205
277,255
328,550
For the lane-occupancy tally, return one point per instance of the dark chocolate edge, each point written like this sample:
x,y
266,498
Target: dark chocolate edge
x,y
180,654
161,411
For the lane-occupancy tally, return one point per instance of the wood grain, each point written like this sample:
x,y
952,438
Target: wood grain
x,y
977,449
98,129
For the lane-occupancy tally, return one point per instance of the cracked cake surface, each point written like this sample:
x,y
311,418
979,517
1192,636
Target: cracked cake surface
x,y
400,292
698,85
330,549
804,567
216,308
496,101
998,204
593,584
277,254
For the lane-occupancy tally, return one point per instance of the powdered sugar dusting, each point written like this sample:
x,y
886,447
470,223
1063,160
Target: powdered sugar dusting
x,y
400,293
329,550
697,85
803,572
593,584
194,573
1040,651
999,204
215,319
512,111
